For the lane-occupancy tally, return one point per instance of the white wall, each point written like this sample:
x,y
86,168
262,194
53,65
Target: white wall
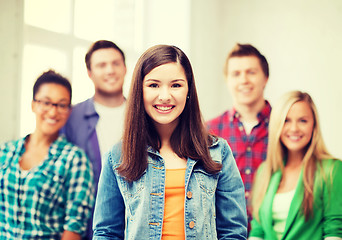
x,y
10,52
207,56
301,40
166,22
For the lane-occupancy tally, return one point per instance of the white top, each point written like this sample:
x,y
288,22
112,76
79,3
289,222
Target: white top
x,y
248,126
109,128
280,211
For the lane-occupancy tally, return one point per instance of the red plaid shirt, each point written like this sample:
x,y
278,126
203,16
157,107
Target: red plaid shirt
x,y
248,150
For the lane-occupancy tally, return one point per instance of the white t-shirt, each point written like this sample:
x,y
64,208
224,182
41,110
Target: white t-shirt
x,y
280,211
248,126
109,128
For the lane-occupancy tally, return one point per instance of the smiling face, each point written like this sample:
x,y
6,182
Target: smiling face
x,y
298,127
246,81
165,91
49,122
107,71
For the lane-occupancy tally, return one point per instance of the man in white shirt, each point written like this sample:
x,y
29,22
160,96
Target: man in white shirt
x,y
96,124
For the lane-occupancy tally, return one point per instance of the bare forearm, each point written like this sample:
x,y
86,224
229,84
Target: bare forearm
x,y
67,235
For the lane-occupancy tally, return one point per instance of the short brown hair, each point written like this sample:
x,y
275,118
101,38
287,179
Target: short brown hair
x,y
244,50
100,45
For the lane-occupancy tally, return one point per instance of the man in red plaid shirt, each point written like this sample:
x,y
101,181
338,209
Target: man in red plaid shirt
x,y
245,126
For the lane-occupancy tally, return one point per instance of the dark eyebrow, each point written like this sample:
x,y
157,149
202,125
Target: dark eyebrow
x,y
181,79
151,80
253,68
47,99
100,63
158,81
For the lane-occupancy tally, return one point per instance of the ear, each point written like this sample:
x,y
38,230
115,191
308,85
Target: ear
x,y
125,70
32,106
266,81
68,114
89,73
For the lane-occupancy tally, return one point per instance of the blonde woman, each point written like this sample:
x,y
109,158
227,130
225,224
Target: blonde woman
x,y
296,192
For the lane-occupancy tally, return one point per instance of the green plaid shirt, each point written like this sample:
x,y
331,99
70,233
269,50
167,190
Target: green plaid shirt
x,y
42,203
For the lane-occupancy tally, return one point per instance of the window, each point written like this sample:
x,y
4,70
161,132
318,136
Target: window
x,y
57,35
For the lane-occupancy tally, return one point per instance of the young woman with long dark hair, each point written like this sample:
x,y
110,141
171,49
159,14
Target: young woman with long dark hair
x,y
168,179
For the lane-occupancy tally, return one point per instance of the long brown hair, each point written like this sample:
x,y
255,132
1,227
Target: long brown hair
x,y
276,152
189,139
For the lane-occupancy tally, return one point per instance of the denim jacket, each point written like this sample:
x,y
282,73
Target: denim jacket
x,y
216,208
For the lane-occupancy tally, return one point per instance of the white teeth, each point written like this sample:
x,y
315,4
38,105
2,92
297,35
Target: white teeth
x,y
294,137
111,80
245,90
50,121
163,108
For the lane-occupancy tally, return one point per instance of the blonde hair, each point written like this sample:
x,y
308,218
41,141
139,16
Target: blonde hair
x,y
276,152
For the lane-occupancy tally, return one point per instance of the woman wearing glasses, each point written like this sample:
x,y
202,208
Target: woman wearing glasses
x,y
46,183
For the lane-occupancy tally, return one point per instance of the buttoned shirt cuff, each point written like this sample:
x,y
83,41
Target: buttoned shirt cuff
x,y
76,226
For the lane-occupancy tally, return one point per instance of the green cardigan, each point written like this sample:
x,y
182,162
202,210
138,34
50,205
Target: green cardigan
x,y
327,210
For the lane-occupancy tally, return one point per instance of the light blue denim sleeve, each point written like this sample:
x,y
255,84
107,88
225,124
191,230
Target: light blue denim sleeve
x,y
109,215
231,216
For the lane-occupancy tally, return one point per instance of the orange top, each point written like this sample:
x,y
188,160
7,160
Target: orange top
x,y
173,222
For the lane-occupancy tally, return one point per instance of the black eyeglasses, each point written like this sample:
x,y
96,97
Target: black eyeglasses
x,y
46,106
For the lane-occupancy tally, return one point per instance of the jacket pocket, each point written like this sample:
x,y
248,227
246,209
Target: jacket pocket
x,y
206,181
133,189
132,192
